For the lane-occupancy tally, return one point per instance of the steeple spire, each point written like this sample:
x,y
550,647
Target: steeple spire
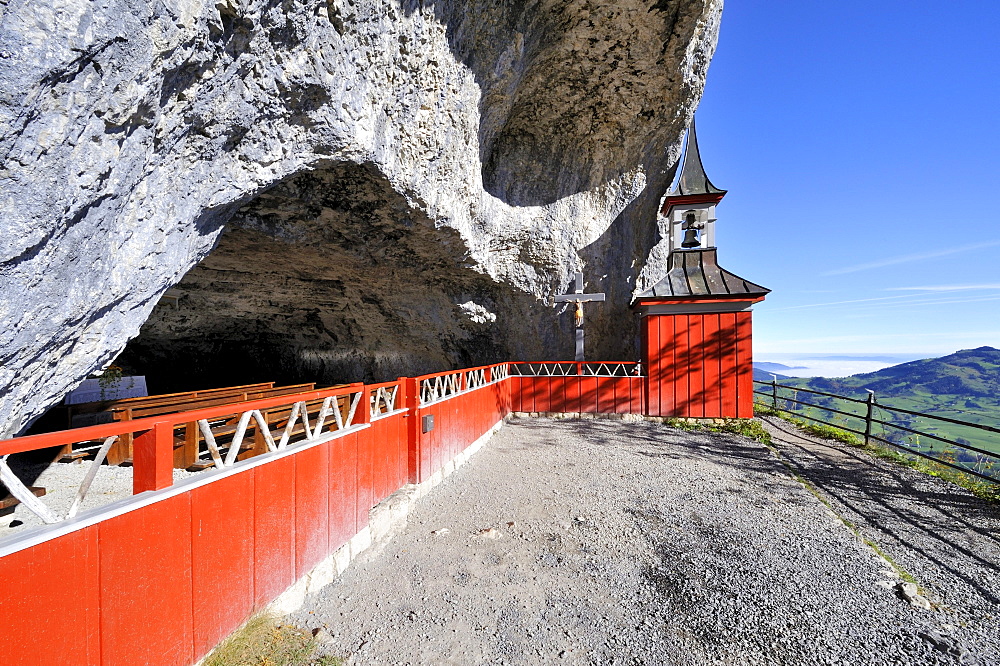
x,y
689,207
693,180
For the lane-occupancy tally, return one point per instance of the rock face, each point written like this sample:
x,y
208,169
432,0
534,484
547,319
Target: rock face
x,y
335,189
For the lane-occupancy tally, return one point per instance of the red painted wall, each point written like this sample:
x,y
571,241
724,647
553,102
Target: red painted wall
x,y
458,422
164,583
587,395
698,365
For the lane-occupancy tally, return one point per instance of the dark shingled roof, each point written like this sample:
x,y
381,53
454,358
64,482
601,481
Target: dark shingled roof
x,y
697,273
693,179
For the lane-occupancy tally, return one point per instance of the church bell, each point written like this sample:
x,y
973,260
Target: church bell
x,y
691,238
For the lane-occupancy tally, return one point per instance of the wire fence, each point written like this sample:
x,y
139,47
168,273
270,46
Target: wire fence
x,y
964,446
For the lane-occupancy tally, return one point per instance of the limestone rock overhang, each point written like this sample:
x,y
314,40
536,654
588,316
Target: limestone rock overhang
x,y
293,157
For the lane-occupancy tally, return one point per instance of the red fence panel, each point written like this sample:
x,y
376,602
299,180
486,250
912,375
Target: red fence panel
x,y
744,366
342,479
146,604
168,576
589,395
274,529
388,437
728,340
221,534
312,528
45,587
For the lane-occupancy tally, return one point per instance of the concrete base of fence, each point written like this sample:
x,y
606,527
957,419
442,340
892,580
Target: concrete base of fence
x,y
579,415
620,417
384,521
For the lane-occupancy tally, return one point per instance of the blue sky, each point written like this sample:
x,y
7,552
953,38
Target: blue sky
x,y
859,144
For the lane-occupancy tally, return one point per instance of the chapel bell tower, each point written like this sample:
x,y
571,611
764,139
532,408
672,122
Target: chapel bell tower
x,y
689,207
696,322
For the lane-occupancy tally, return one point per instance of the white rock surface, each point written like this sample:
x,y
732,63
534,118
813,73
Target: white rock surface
x,y
533,138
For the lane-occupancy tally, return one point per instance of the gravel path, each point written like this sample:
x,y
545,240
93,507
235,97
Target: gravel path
x,y
945,537
628,543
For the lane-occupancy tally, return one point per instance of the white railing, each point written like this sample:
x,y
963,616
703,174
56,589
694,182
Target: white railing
x,y
23,494
440,387
384,401
330,417
568,369
299,414
475,379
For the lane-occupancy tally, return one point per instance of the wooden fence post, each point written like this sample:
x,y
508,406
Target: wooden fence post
x,y
868,417
153,459
411,400
363,412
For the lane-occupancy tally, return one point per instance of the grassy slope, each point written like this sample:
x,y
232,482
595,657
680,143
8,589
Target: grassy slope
x,y
964,385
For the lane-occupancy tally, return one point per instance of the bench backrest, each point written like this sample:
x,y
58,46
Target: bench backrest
x,y
201,402
168,398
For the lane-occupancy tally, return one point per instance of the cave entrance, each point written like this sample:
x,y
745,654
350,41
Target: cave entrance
x,y
329,276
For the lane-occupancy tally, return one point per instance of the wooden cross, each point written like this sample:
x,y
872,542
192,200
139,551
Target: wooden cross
x,y
579,298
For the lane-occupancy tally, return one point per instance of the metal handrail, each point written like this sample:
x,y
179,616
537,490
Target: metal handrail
x,y
869,420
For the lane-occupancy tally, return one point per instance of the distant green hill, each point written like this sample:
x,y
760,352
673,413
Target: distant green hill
x,y
765,376
964,385
971,373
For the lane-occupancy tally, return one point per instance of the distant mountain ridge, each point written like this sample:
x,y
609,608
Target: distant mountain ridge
x,y
973,373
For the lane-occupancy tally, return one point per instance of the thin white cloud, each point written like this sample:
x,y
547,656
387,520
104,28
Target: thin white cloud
x,y
949,287
905,259
939,342
853,300
912,297
892,336
923,304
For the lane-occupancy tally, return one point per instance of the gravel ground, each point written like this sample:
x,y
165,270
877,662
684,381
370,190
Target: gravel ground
x,y
944,536
630,543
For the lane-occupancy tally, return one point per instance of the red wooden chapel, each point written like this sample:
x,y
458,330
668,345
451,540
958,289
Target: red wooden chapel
x,y
695,323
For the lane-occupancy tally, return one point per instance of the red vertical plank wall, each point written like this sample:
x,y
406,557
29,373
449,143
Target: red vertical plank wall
x,y
274,529
744,366
577,394
712,375
388,442
146,604
678,385
462,419
312,528
342,481
220,533
729,361
163,582
46,588
699,365
573,392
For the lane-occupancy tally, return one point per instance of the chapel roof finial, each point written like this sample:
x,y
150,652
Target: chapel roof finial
x,y
693,180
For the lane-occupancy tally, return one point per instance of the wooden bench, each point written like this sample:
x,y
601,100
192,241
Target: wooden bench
x,y
104,412
8,502
106,406
183,456
254,442
188,436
